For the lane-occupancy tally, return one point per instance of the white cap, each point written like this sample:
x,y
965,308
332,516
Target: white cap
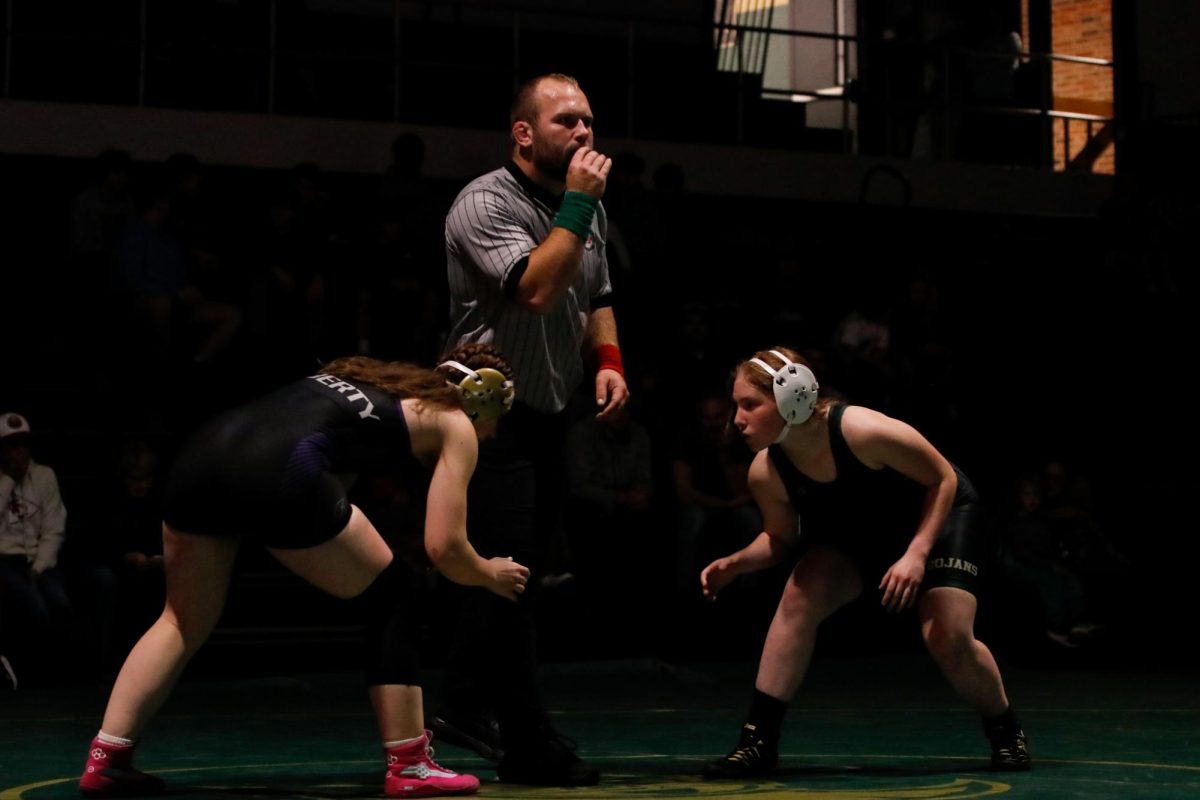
x,y
12,424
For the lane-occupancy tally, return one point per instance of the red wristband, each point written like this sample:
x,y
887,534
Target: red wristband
x,y
608,356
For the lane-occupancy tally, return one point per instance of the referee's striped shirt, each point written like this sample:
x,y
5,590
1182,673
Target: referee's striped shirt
x,y
495,222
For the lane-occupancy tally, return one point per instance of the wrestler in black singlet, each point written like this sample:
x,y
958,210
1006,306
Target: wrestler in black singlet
x,y
268,471
871,515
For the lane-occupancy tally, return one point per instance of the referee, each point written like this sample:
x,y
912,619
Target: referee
x,y
528,273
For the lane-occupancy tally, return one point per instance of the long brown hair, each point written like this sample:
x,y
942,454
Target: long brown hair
x,y
403,379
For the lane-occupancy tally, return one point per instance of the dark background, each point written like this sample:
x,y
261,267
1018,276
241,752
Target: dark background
x,y
1070,334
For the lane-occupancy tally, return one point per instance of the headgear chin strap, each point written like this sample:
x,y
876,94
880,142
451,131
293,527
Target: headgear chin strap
x,y
795,389
486,393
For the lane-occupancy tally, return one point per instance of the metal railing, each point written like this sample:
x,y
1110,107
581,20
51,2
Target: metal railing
x,y
258,84
742,46
1098,127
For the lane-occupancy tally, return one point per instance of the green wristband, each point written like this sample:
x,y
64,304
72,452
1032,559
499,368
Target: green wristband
x,y
575,213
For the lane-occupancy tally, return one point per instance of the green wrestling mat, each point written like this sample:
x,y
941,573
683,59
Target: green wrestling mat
x,y
861,728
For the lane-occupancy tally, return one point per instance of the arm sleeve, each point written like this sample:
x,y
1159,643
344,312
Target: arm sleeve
x,y
485,230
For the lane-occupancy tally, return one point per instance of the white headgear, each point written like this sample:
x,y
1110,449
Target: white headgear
x,y
795,388
486,393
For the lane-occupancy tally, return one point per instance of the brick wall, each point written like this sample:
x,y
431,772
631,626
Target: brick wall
x,y
1081,28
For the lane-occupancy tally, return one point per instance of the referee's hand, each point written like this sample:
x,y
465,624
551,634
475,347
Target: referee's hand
x,y
588,172
611,393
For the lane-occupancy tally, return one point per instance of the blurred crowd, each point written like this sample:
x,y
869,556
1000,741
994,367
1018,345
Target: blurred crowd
x,y
181,288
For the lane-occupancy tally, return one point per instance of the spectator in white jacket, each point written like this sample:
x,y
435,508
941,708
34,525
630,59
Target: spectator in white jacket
x,y
33,597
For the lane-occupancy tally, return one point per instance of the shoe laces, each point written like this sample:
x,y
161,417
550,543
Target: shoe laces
x,y
748,754
429,757
1008,743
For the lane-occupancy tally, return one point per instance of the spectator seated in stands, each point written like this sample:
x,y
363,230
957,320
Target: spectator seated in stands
x,y
32,526
1034,562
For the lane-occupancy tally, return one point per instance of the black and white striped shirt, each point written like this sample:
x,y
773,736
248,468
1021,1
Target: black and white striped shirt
x,y
494,224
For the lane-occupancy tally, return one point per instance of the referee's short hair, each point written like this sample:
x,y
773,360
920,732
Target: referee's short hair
x,y
524,104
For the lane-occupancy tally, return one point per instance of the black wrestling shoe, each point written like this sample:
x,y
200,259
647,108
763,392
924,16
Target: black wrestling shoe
x,y
751,758
479,732
545,758
1010,752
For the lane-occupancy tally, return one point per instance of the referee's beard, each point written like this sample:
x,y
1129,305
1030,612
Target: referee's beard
x,y
553,165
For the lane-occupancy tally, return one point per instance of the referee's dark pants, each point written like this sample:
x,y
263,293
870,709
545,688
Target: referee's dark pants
x,y
515,503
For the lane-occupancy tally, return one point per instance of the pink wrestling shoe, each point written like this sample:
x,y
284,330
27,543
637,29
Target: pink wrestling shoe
x,y
412,772
109,773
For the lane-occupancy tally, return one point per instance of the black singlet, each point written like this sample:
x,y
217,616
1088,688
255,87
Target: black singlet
x,y
268,471
870,515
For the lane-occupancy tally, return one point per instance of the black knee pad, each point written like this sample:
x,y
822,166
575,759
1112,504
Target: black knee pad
x,y
390,615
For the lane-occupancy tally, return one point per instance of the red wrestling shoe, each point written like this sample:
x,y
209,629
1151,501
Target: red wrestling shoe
x,y
412,772
109,773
